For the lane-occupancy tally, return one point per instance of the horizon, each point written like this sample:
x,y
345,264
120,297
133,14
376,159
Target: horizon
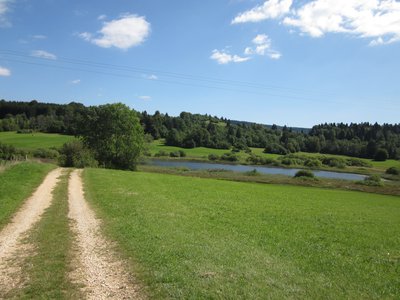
x,y
255,61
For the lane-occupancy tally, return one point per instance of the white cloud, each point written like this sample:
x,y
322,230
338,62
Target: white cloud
x,y
146,98
123,33
262,47
150,76
39,37
223,57
271,9
4,8
76,81
102,17
378,20
85,35
4,72
43,54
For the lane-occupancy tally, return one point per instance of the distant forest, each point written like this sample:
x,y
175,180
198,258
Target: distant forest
x,y
188,130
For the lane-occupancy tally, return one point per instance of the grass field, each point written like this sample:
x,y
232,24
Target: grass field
x,y
18,182
211,239
30,141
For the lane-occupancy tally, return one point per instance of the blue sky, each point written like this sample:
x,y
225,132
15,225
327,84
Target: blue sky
x,y
298,63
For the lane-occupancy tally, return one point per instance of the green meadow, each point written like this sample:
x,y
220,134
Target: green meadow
x,y
212,239
18,182
31,141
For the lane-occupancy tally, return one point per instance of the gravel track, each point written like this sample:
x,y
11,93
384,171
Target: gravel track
x,y
97,266
12,248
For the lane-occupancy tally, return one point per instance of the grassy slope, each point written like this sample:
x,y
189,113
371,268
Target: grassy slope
x,y
35,140
47,270
202,238
202,153
16,184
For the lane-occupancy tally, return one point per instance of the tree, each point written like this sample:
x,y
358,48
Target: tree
x,y
381,155
114,134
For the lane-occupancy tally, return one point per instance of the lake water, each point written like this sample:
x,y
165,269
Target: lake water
x,y
243,168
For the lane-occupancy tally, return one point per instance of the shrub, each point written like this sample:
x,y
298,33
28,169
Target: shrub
x,y
46,153
75,154
334,162
381,155
312,163
253,172
229,157
356,162
182,153
161,153
174,154
213,157
275,149
393,171
25,131
8,152
304,173
373,180
287,161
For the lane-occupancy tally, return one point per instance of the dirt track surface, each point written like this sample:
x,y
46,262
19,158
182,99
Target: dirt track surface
x,y
11,246
98,268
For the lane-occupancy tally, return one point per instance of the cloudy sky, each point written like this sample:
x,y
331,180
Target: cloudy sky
x,y
294,62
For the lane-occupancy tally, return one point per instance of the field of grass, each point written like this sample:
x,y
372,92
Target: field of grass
x,y
47,270
17,183
212,239
31,141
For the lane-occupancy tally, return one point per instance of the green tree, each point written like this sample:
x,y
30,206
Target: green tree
x,y
114,134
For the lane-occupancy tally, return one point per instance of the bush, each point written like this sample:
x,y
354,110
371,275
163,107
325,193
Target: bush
x,y
312,163
75,154
381,155
275,149
174,154
304,173
356,162
287,161
46,153
373,180
393,171
8,152
25,131
161,153
229,157
253,172
334,162
213,157
182,153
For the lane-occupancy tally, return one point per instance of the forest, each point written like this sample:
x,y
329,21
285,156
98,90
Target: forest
x,y
364,140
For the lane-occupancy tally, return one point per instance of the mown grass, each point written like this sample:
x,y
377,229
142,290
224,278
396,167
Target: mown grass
x,y
48,268
211,239
31,141
17,183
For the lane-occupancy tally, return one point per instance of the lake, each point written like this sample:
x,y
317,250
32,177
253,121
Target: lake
x,y
244,168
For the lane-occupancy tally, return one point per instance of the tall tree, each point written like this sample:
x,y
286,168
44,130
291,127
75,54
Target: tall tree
x,y
114,134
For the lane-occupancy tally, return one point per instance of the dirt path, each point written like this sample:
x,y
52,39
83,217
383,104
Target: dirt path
x,y
11,246
98,268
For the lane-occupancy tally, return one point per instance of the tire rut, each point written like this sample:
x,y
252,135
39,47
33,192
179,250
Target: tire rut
x,y
103,274
12,248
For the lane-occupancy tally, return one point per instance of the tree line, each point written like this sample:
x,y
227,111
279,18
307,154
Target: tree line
x,y
188,130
